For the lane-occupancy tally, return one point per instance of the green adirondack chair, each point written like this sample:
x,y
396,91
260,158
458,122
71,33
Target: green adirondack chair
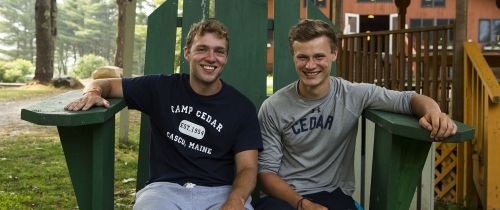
x,y
88,137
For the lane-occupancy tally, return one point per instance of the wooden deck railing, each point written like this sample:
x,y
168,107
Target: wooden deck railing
x,y
417,59
482,111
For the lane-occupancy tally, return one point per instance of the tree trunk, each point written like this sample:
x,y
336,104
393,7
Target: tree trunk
x,y
120,33
45,19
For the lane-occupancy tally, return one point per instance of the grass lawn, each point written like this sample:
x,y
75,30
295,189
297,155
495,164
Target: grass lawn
x,y
26,92
33,171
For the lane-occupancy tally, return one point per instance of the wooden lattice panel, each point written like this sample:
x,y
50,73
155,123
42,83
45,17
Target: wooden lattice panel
x,y
445,173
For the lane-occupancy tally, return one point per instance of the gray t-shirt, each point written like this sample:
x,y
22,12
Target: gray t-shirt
x,y
310,143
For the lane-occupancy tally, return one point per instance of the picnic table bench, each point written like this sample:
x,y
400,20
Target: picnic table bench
x,y
87,137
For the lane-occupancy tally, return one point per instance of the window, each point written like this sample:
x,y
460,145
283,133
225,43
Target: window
x,y
415,23
351,23
375,0
489,31
484,31
433,3
318,3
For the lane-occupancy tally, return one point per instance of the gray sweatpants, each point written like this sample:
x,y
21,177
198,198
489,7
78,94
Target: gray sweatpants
x,y
171,196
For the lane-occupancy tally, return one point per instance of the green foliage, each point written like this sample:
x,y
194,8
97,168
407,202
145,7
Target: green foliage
x,y
444,205
15,71
139,49
17,26
81,22
83,27
2,69
87,64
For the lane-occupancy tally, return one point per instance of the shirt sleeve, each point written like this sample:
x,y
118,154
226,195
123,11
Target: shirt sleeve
x,y
380,98
140,92
270,157
249,137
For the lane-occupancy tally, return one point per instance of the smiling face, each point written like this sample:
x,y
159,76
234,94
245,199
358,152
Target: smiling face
x,y
313,62
206,56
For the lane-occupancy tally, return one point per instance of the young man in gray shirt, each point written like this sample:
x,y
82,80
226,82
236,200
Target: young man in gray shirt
x,y
309,127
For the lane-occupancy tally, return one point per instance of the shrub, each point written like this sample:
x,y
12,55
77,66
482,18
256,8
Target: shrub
x,y
2,69
87,64
15,70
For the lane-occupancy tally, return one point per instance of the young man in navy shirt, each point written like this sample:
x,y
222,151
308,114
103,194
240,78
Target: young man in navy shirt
x,y
205,134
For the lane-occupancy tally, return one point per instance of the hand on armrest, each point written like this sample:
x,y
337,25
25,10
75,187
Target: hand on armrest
x,y
439,124
88,100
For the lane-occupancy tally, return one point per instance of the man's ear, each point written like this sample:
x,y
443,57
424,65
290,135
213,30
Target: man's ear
x,y
186,53
335,53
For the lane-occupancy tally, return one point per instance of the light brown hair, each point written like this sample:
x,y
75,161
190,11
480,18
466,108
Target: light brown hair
x,y
309,29
207,26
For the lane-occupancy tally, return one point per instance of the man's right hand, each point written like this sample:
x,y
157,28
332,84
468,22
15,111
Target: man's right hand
x,y
88,100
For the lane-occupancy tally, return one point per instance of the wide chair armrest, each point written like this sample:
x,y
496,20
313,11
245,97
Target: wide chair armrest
x,y
400,150
51,111
87,139
407,126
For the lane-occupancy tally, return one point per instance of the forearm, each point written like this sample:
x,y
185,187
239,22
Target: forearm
x,y
422,105
274,186
105,87
243,184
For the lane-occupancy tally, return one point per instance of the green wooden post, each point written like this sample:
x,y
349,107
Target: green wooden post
x,y
397,167
400,150
286,14
246,66
313,12
192,12
87,139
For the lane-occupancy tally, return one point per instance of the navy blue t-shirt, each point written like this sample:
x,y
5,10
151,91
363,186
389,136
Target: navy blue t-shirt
x,y
194,138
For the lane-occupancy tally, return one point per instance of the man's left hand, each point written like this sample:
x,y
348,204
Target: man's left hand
x,y
439,124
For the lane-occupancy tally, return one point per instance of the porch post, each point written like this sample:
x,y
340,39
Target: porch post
x,y
402,5
338,15
458,65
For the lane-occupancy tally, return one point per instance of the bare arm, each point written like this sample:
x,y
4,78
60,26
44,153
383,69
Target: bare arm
x,y
274,186
95,92
431,117
244,182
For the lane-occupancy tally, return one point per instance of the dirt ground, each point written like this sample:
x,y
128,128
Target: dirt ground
x,y
10,119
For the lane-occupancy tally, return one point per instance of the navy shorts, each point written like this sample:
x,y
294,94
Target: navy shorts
x,y
335,200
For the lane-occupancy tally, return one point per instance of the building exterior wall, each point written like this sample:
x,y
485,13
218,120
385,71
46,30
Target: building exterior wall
x,y
415,10
369,8
479,9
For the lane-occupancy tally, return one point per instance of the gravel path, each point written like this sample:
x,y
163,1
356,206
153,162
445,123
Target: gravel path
x,y
10,118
